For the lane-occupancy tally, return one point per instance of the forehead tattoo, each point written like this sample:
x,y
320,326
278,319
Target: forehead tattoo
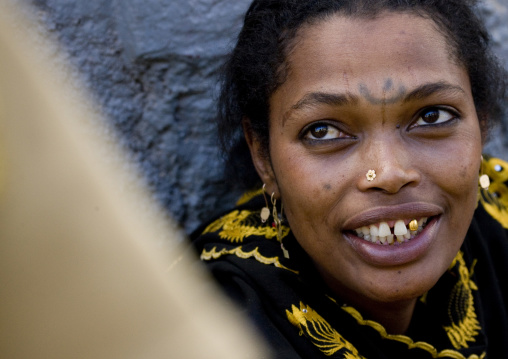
x,y
390,95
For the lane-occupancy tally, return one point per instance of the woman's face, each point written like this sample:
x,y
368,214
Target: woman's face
x,y
381,94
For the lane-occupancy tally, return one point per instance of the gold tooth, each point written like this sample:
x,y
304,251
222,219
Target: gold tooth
x,y
413,225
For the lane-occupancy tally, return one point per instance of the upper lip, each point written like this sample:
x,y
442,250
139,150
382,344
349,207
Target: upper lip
x,y
391,213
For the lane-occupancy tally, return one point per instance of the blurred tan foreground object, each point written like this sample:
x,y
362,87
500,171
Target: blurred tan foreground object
x,y
80,273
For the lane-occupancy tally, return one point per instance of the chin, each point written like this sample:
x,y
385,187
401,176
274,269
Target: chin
x,y
398,294
402,284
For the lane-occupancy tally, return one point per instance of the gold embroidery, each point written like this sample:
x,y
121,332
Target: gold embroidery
x,y
238,251
238,225
447,353
461,304
423,298
495,199
459,332
247,196
322,335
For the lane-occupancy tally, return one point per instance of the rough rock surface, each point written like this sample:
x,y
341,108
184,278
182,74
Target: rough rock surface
x,y
152,66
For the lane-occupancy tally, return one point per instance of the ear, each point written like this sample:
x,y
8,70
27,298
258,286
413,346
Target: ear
x,y
261,158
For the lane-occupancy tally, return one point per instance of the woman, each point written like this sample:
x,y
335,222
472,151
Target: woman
x,y
365,122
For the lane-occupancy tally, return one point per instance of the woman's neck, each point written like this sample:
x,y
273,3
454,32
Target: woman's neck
x,y
395,317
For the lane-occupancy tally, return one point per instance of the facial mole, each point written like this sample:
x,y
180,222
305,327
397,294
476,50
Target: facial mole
x,y
327,187
397,126
399,272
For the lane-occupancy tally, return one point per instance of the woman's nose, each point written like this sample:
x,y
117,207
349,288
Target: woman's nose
x,y
387,168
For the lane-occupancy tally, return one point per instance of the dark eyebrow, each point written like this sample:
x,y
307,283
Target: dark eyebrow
x,y
429,89
342,99
321,98
314,98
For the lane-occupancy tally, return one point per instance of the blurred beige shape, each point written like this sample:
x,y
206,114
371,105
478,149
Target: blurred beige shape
x,y
82,273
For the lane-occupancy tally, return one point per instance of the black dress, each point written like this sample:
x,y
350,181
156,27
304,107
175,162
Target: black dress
x,y
465,315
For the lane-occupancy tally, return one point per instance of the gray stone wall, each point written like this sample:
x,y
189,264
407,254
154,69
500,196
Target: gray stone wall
x,y
152,67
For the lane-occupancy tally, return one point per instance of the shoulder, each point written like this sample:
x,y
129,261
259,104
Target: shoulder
x,y
486,252
240,239
244,255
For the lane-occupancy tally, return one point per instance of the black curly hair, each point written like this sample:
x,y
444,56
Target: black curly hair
x,y
257,65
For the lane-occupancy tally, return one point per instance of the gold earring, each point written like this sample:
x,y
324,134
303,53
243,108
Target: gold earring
x,y
484,179
277,219
265,211
275,215
371,175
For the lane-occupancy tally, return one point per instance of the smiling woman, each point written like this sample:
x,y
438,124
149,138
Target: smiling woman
x,y
366,122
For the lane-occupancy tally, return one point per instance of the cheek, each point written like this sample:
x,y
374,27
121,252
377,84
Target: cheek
x,y
300,186
457,178
308,187
465,192
313,192
314,180
454,163
465,174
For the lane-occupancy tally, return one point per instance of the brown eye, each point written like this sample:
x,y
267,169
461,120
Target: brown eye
x,y
319,131
434,116
430,116
323,132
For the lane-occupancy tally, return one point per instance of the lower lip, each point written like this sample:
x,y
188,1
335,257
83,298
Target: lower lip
x,y
395,254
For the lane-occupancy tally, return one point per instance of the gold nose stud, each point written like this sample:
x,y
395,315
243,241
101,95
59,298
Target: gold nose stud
x,y
371,175
413,225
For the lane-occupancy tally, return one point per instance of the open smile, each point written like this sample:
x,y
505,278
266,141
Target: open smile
x,y
392,232
383,236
